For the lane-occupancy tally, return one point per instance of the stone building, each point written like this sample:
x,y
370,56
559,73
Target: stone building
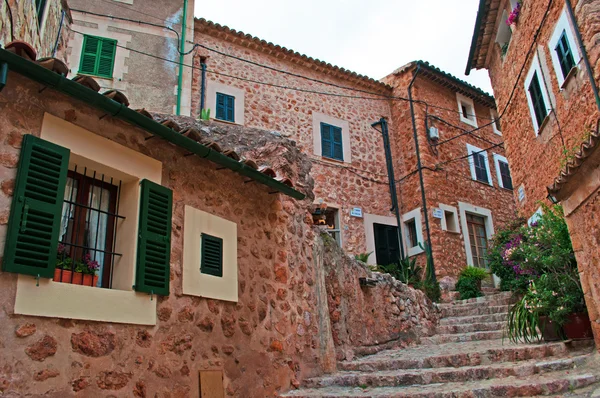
x,y
544,70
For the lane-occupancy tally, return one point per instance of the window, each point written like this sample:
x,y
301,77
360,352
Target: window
x,y
331,142
535,217
98,56
495,121
211,261
330,218
478,239
87,230
466,110
563,49
538,98
40,8
478,162
503,172
387,248
225,107
412,232
450,219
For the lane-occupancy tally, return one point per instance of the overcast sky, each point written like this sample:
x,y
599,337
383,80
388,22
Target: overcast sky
x,y
371,37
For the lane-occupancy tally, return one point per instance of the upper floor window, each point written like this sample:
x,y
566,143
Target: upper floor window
x,y
331,142
40,8
503,172
495,121
563,49
98,56
225,107
466,110
538,98
479,164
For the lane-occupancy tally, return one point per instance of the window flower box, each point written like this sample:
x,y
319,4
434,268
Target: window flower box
x,y
514,17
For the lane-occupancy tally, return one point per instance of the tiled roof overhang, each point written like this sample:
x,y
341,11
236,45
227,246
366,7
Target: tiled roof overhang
x,y
587,158
482,34
255,43
119,110
445,79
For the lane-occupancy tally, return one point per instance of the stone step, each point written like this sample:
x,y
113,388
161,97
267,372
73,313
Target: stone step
x,y
455,355
469,309
471,327
547,384
457,305
487,290
462,320
458,338
397,378
501,298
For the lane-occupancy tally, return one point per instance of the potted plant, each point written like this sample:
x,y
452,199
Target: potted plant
x,y
514,17
91,267
469,282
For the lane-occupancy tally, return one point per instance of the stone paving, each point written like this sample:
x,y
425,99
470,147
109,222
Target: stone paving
x,y
467,358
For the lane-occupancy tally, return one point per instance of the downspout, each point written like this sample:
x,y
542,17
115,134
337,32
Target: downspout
x,y
583,52
3,74
62,20
202,84
391,178
181,57
419,166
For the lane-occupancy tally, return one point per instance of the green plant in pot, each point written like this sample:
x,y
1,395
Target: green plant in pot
x,y
469,282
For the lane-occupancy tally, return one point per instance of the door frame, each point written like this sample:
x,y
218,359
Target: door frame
x,y
369,220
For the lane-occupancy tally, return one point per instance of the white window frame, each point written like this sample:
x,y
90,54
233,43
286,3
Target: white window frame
x,y
454,211
212,88
470,150
497,160
494,116
319,118
536,67
465,208
412,215
535,216
563,23
462,100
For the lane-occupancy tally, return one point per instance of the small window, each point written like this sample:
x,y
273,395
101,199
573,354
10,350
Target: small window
x,y
211,261
479,240
450,218
495,121
98,56
225,107
503,172
563,49
466,110
411,233
330,218
331,142
40,8
478,162
565,55
537,99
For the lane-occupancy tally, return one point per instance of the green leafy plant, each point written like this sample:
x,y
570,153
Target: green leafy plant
x,y
430,286
205,114
406,271
569,153
474,273
363,257
522,323
469,282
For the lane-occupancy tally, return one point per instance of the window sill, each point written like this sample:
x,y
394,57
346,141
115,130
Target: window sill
x,y
487,184
451,232
225,121
470,122
545,122
506,189
96,76
414,251
570,76
325,159
63,300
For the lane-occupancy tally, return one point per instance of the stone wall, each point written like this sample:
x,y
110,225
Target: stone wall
x,y
536,161
25,26
367,319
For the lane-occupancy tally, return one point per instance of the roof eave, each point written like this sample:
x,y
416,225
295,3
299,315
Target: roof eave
x,y
480,16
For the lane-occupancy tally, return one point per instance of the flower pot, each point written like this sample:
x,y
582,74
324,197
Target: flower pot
x,y
550,330
90,280
578,326
57,275
66,276
77,278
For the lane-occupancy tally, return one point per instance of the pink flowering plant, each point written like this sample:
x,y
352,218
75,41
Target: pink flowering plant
x,y
514,15
86,265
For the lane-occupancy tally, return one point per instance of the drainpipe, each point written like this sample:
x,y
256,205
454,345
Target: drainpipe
x,y
3,74
392,180
62,20
583,52
181,57
202,83
419,166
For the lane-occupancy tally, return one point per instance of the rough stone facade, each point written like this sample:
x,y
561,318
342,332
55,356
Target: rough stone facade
x,y
26,27
279,332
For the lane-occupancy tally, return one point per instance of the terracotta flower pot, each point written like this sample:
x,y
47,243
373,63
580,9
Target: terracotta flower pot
x,y
57,275
66,276
550,331
90,280
578,326
77,278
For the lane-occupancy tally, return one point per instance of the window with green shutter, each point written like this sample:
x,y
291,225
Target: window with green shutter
x,y
225,107
565,55
154,240
211,256
35,217
40,8
331,142
97,56
537,99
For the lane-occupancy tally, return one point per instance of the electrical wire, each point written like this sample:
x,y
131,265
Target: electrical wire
x,y
438,165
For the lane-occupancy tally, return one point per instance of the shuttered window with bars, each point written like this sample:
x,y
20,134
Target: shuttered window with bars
x,y
98,56
65,221
331,142
211,261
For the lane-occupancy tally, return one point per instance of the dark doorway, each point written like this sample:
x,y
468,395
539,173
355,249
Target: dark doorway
x,y
387,250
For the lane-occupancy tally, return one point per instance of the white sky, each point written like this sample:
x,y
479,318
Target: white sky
x,y
371,37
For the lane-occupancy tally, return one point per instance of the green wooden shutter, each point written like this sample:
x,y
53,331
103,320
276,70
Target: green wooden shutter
x,y
326,141
338,150
211,255
106,58
34,223
221,113
154,239
89,54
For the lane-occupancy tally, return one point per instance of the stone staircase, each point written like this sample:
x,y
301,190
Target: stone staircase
x,y
467,358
